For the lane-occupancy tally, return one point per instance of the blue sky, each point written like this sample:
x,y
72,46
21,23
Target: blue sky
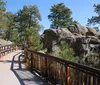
x,y
81,9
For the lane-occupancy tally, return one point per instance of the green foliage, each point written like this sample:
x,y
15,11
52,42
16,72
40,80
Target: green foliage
x,y
9,24
96,28
2,6
28,17
60,16
93,59
2,10
15,38
93,54
67,53
23,27
95,19
32,38
9,17
7,34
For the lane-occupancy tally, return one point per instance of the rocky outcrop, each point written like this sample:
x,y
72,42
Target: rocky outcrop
x,y
4,42
84,40
77,28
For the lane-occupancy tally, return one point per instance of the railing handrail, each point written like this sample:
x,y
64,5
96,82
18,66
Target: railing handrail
x,y
6,45
69,63
7,49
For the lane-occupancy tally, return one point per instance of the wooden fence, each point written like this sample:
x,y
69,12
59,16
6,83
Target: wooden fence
x,y
61,72
7,49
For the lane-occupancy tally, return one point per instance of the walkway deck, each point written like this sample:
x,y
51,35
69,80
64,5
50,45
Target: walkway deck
x,y
13,72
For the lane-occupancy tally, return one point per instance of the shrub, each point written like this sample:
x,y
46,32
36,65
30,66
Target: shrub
x,y
67,53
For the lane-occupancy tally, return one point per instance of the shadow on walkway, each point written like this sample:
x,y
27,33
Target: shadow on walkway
x,y
24,76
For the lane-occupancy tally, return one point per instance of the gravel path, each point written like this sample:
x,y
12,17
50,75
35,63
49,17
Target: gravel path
x,y
13,72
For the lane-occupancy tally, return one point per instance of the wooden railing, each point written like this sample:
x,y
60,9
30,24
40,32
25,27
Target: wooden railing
x,y
61,72
7,49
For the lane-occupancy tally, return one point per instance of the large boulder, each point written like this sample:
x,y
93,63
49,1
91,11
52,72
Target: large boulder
x,y
49,38
65,33
52,37
77,28
92,32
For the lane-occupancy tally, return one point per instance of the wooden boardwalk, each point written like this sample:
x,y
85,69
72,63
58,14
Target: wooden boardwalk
x,y
13,72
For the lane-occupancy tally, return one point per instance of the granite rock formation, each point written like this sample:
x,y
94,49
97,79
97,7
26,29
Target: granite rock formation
x,y
84,40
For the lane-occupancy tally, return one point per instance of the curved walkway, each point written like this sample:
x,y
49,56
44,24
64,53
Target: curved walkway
x,y
13,72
